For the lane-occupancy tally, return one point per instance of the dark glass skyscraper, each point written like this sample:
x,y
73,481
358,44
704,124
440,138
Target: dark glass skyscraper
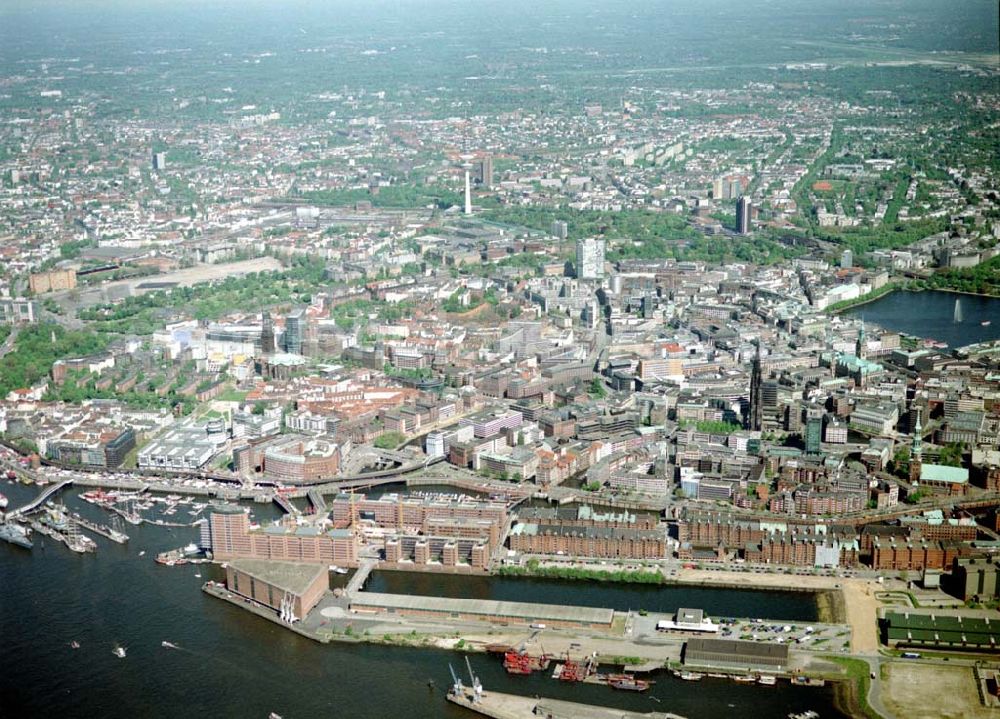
x,y
266,333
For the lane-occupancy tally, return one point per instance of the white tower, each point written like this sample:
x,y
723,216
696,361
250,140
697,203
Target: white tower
x,y
468,194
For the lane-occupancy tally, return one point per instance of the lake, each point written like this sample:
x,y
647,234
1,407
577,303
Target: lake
x,y
931,315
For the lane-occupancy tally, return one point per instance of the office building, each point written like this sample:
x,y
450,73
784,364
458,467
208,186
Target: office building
x,y
159,161
266,333
484,172
52,281
295,327
16,311
560,229
743,208
814,430
590,259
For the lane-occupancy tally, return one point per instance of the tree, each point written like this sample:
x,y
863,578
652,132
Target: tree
x,y
951,454
597,388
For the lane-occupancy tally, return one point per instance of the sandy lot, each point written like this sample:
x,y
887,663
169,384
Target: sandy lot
x,y
920,691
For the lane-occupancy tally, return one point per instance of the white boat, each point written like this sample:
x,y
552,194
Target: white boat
x,y
142,553
338,570
3,502
986,323
169,645
119,651
767,680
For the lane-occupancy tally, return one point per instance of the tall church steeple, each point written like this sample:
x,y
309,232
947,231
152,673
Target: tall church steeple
x,y
916,449
756,418
861,346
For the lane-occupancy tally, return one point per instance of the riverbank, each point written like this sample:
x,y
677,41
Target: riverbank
x,y
838,307
909,286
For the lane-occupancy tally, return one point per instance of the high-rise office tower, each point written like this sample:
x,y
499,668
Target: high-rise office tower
x,y
159,160
266,333
814,430
484,172
590,259
295,326
756,419
743,207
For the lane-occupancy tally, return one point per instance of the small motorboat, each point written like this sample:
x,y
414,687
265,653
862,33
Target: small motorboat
x,y
74,644
986,323
119,651
169,645
142,553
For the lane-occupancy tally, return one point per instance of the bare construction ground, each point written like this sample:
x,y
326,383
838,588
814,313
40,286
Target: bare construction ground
x,y
858,605
924,691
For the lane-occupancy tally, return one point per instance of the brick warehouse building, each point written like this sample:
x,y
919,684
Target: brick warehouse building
x,y
606,542
228,536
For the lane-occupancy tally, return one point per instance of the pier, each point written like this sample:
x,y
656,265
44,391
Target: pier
x,y
498,705
104,531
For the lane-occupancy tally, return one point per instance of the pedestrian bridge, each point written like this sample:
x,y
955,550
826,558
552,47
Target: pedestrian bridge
x,y
40,499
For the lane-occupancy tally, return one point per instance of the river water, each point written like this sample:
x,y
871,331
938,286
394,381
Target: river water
x,y
234,664
931,315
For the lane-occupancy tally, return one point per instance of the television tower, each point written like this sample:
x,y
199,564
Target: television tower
x,y
468,193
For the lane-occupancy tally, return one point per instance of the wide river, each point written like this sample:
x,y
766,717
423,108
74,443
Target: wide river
x,y
931,315
234,664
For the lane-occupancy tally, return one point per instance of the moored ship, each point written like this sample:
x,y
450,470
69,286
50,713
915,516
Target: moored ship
x,y
628,682
15,534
